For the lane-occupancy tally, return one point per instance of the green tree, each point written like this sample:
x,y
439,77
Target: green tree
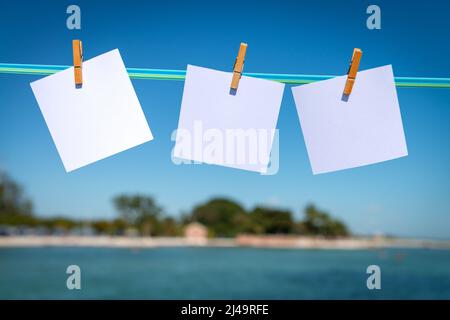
x,y
139,211
109,227
317,222
170,227
270,221
12,200
118,226
103,226
15,209
60,223
223,217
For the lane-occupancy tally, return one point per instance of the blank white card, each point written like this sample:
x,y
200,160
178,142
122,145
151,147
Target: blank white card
x,y
100,119
343,133
220,127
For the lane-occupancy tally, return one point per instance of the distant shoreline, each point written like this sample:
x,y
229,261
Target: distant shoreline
x,y
292,242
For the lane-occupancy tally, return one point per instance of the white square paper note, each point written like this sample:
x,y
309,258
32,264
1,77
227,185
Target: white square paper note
x,y
344,133
100,119
219,127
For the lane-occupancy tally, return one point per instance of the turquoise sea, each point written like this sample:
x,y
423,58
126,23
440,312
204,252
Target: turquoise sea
x,y
223,273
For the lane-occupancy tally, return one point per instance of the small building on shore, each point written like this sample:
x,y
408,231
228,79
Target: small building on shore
x,y
195,231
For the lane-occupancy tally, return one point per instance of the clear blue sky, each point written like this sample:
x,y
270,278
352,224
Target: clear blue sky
x,y
408,196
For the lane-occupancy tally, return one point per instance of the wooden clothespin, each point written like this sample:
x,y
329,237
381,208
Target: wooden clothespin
x,y
238,66
352,71
78,62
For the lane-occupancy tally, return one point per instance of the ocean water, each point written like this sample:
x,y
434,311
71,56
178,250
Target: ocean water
x,y
223,273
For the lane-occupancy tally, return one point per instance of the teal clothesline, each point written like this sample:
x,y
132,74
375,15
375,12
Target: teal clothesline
x,y
162,74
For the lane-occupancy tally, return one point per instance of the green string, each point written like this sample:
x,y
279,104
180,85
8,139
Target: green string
x,y
162,74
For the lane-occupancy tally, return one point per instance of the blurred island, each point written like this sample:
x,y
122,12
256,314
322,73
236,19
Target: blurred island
x,y
141,215
142,222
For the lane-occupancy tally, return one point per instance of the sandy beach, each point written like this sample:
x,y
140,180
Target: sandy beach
x,y
240,241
